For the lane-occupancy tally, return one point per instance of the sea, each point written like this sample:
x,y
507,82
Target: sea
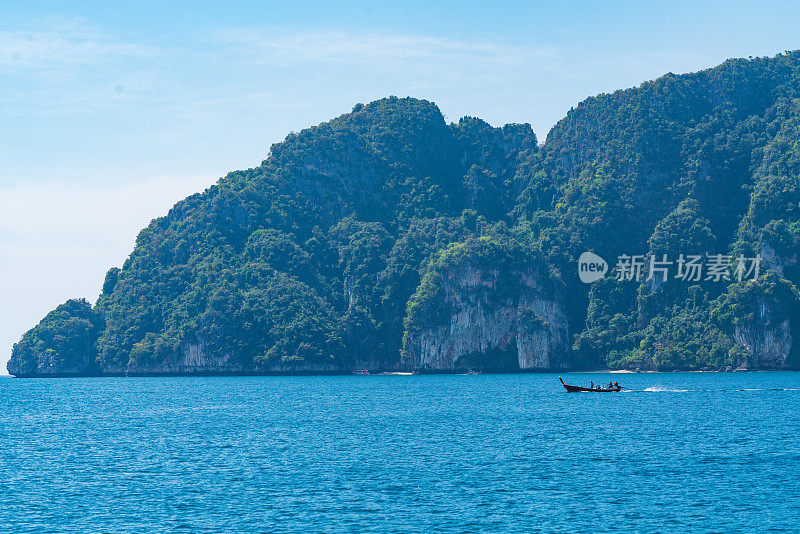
x,y
676,452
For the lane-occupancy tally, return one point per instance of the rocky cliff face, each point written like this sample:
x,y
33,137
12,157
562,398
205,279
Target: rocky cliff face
x,y
483,324
193,358
196,359
51,363
766,336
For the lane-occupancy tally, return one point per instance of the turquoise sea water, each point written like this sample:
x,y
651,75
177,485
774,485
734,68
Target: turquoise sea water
x,y
481,453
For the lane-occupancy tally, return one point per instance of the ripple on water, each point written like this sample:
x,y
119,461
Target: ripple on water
x,y
710,452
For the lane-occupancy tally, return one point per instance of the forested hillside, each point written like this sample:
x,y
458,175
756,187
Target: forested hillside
x,y
388,239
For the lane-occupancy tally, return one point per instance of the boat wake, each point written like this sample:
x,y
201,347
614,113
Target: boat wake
x,y
662,389
768,389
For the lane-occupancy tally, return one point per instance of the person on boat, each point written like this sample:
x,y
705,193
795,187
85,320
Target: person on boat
x,y
610,385
591,386
616,384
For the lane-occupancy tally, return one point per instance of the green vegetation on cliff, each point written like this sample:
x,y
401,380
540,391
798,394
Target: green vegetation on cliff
x,y
326,255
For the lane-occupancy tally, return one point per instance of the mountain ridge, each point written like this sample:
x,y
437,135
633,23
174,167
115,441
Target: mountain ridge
x,y
320,259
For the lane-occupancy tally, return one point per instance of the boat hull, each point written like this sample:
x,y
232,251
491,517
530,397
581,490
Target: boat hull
x,y
579,389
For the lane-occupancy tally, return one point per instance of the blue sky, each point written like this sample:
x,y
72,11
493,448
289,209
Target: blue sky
x,y
111,113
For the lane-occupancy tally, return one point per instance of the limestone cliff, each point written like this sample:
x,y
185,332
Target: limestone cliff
x,y
494,308
764,319
766,336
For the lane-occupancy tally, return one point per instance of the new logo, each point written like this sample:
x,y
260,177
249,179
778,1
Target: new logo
x,y
591,267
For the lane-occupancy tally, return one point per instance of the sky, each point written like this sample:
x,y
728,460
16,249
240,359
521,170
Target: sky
x,y
112,112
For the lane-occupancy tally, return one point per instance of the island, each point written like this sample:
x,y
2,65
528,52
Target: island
x,y
389,240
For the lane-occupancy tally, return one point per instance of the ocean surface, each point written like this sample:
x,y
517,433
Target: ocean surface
x,y
699,452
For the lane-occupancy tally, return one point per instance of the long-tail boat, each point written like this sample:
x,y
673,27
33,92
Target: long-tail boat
x,y
577,389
